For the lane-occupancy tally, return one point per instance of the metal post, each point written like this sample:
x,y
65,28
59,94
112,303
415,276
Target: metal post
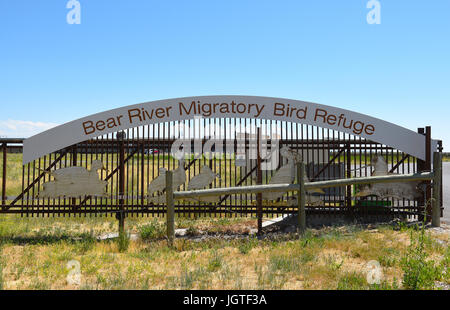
x,y
421,168
142,173
428,161
121,215
259,181
348,193
74,164
436,210
170,208
5,150
301,198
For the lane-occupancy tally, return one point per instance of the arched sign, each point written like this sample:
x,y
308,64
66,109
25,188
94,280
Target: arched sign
x,y
268,108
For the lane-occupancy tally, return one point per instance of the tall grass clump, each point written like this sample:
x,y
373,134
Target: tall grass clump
x,y
1,266
152,230
245,246
123,242
1,275
351,281
284,263
418,271
215,262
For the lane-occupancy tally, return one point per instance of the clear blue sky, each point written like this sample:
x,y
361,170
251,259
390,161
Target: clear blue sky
x,y
126,52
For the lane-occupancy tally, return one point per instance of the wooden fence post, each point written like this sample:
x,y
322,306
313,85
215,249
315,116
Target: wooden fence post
x,y
301,198
170,208
436,206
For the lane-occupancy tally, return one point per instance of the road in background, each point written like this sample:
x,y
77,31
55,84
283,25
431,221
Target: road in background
x,y
446,192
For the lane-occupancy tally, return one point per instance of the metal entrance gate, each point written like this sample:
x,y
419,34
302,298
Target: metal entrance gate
x,y
133,159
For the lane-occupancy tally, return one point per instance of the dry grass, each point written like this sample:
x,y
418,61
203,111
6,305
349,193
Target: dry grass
x,y
35,253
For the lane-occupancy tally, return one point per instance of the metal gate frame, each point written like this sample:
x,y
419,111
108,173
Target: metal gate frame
x,y
128,160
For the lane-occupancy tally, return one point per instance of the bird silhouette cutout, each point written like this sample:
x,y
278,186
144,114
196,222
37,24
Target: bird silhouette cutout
x,y
286,174
160,199
202,180
158,185
74,182
403,190
179,175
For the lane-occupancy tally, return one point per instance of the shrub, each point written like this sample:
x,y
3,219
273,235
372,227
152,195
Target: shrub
x,y
418,272
215,262
246,245
352,281
152,230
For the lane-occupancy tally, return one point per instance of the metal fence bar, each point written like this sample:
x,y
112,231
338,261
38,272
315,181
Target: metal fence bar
x,y
436,204
424,176
121,215
259,181
30,186
301,198
170,218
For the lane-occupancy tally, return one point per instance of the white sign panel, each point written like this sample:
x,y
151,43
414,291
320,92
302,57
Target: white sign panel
x,y
178,109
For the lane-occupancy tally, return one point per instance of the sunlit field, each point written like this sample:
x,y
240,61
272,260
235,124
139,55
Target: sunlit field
x,y
215,254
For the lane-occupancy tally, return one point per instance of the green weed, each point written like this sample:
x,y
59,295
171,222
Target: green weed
x,y
123,242
418,271
152,230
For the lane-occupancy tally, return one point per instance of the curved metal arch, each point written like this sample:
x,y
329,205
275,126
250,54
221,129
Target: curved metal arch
x,y
185,108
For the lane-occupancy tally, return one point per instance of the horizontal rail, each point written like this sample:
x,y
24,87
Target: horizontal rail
x,y
424,176
239,140
12,140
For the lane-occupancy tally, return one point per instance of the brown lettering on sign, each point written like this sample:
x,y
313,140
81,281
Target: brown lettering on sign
x,y
88,127
278,109
370,129
331,119
357,127
134,113
183,108
286,110
207,109
160,113
111,122
100,125
320,113
283,110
